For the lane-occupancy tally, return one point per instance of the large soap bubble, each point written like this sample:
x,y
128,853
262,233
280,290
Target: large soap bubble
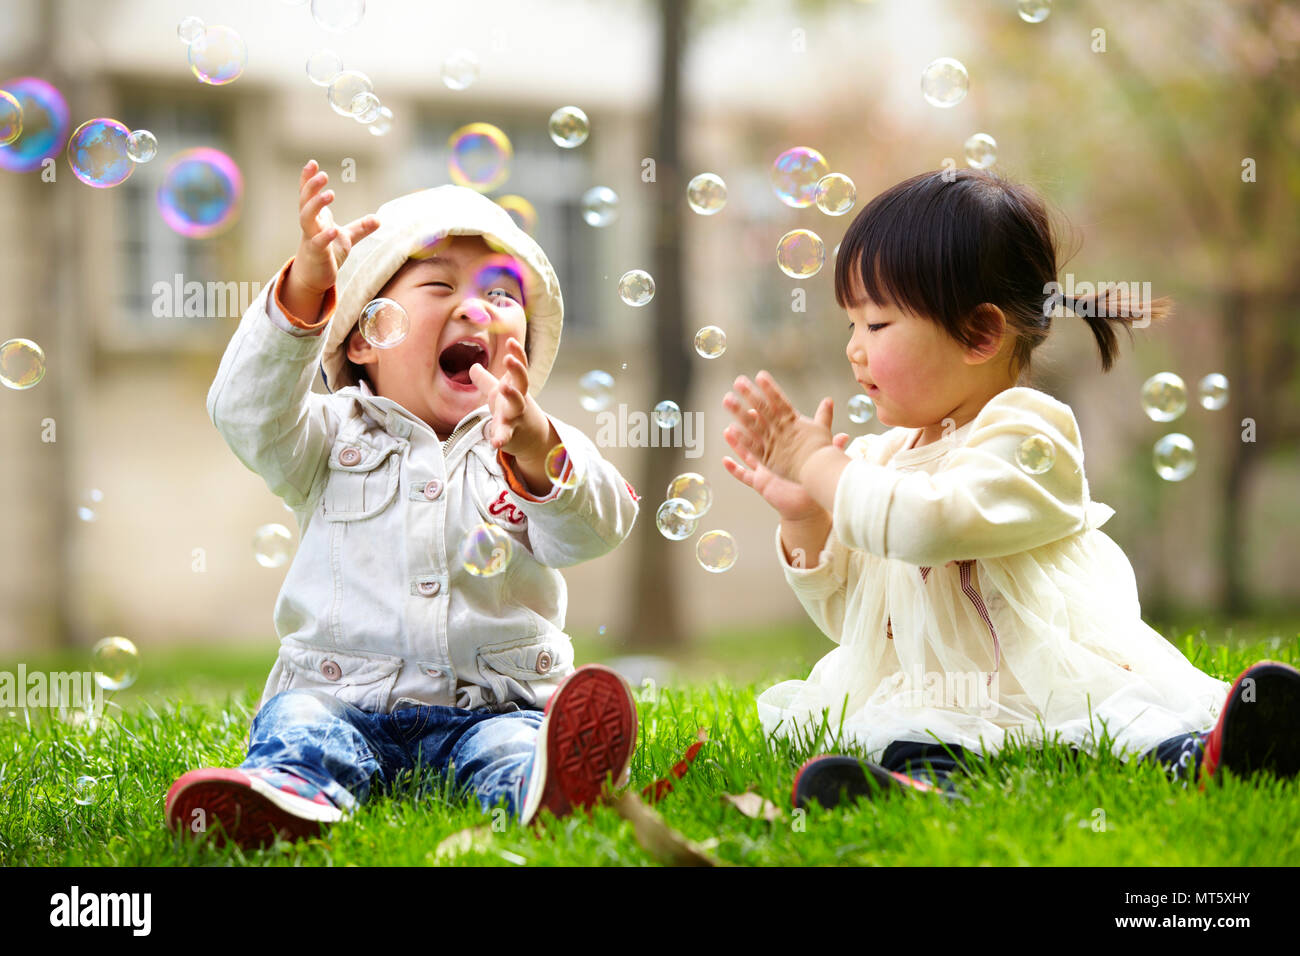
x,y
200,193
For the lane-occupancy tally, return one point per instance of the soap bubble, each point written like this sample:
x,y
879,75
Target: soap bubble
x,y
676,519
836,194
1036,455
667,414
271,545
116,663
1164,397
343,89
383,124
795,176
480,157
485,550
694,490
596,390
569,127
200,192
1034,11
706,194
459,70
22,364
218,56
521,211
11,118
323,66
141,146
84,790
636,287
716,551
44,124
599,206
337,16
1213,390
189,30
861,409
1175,457
558,470
97,153
944,82
365,108
800,254
981,151
90,500
710,342
384,323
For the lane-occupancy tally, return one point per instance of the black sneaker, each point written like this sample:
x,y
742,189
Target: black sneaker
x,y
1259,727
830,779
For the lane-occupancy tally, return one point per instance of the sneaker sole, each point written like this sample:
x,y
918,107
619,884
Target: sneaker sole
x,y
250,812
837,779
1264,733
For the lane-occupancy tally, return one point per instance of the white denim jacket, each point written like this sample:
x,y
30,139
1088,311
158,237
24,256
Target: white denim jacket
x,y
377,608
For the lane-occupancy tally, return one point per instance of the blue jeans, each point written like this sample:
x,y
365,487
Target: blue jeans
x,y
345,751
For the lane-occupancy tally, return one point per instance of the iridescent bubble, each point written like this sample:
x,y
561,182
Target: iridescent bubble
x,y
22,364
1034,11
596,390
85,790
218,56
944,82
1175,457
836,194
97,153
795,176
716,551
480,157
800,254
141,146
323,66
384,323
11,118
272,545
1213,391
676,519
485,550
189,30
90,499
710,342
116,663
365,107
569,127
521,211
981,151
694,490
636,287
200,192
667,414
459,70
1036,455
337,16
558,470
1164,397
381,126
343,89
861,409
44,127
706,194
599,206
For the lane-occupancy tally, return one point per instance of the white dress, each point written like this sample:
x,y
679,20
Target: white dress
x,y
973,601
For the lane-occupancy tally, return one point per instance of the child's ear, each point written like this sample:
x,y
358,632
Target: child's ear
x,y
989,327
359,350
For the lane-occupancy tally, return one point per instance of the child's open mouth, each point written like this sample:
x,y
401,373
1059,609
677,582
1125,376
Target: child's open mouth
x,y
458,358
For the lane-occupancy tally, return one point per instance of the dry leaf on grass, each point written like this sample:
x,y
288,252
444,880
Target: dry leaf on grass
x,y
657,837
753,805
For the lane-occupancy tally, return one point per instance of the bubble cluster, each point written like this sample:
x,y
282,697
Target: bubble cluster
x,y
599,206
944,82
676,519
44,124
218,56
596,390
384,323
90,499
337,16
668,414
861,409
795,176
323,66
521,211
694,489
115,662
97,153
569,127
710,342
141,146
1034,11
981,151
459,70
716,551
1213,391
11,118
1164,397
22,364
200,193
486,550
558,470
706,194
1174,456
1036,455
344,88
800,254
272,545
480,157
636,287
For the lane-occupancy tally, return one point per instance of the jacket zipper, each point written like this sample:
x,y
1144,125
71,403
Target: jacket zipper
x,y
460,430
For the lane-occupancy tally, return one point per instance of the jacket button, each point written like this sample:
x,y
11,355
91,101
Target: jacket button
x,y
349,456
543,662
429,588
433,672
331,670
433,489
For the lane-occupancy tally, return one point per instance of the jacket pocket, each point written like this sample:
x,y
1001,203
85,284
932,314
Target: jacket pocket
x,y
363,679
507,668
362,481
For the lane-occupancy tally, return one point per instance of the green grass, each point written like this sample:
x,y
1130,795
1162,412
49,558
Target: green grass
x,y
1027,807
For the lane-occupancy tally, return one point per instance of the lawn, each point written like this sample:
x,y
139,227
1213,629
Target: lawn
x,y
1025,807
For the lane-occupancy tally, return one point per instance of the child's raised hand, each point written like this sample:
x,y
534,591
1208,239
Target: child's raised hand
x,y
324,245
788,498
519,426
771,431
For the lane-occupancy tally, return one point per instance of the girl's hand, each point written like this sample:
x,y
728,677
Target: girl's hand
x,y
324,245
519,426
771,431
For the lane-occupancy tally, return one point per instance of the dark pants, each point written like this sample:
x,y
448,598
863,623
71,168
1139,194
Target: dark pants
x,y
937,763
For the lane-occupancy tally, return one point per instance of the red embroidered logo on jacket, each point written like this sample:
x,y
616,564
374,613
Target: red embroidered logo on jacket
x,y
631,491
504,509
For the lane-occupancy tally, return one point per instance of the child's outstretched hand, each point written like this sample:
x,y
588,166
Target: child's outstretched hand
x,y
323,246
771,431
519,426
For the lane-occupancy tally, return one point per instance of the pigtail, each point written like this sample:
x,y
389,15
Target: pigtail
x,y
1115,304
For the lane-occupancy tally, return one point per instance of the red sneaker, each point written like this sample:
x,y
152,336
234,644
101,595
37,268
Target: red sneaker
x,y
1259,727
252,806
586,738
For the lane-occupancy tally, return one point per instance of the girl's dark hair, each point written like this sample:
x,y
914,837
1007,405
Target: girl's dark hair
x,y
941,244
